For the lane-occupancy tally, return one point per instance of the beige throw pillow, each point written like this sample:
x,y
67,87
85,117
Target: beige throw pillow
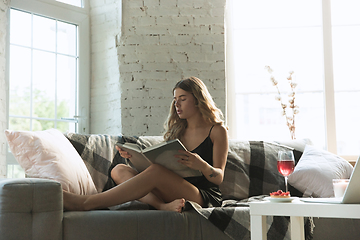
x,y
48,154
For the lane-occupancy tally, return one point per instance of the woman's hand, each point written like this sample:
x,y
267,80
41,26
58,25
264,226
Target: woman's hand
x,y
191,160
123,153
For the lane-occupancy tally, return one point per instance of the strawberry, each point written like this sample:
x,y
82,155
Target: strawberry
x,y
280,193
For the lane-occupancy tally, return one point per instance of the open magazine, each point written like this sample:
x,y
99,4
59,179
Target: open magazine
x,y
162,154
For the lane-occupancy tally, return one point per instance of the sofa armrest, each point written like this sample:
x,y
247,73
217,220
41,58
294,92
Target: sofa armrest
x,y
30,208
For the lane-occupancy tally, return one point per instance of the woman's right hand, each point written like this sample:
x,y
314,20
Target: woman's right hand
x,y
123,153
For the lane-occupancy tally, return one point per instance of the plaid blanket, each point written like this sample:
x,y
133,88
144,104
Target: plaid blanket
x,y
251,170
99,155
250,174
233,218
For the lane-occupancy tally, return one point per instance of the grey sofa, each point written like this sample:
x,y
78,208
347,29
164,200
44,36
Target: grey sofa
x,y
32,208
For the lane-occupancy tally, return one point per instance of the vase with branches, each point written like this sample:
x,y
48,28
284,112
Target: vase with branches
x,y
289,109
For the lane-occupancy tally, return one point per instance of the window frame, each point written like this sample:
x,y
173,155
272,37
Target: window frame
x,y
329,91
74,15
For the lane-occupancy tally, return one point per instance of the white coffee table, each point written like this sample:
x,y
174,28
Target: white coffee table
x,y
297,210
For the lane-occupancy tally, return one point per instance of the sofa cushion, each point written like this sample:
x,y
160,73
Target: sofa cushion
x,y
139,224
297,144
48,154
314,172
147,141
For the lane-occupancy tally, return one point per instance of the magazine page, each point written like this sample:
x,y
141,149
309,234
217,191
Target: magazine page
x,y
160,145
129,146
165,156
139,161
168,160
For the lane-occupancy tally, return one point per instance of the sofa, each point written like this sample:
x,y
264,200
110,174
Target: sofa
x,y
32,208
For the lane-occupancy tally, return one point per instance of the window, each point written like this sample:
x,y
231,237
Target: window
x,y
47,70
43,73
319,41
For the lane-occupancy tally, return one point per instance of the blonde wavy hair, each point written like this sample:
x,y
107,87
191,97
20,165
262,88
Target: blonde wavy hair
x,y
174,126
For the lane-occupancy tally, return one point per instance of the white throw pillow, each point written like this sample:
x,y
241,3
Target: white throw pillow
x,y
48,154
315,170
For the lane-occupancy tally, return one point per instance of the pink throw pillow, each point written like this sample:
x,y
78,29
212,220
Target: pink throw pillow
x,y
48,154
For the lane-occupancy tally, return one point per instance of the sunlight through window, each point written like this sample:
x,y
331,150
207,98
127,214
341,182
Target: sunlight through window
x,y
289,36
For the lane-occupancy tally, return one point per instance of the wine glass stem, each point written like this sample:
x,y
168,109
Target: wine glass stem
x,y
286,185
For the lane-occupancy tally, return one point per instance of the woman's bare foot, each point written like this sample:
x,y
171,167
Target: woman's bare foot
x,y
175,206
73,202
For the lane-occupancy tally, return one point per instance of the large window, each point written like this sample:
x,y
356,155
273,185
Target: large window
x,y
320,42
43,73
48,70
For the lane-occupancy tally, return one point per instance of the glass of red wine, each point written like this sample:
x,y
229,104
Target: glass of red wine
x,y
286,164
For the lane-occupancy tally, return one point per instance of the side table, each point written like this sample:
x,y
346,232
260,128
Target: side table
x,y
297,210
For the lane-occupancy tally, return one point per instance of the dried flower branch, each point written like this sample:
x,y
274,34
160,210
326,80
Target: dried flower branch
x,y
289,111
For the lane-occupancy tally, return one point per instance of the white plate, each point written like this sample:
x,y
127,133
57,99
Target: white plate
x,y
290,199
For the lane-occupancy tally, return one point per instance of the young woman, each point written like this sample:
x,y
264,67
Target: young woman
x,y
197,122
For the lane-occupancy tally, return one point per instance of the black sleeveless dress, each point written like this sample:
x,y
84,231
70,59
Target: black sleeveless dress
x,y
209,191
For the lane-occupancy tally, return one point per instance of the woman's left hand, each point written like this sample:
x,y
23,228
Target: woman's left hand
x,y
191,160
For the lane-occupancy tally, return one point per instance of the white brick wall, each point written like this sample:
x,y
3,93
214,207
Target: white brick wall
x,y
105,112
160,43
3,110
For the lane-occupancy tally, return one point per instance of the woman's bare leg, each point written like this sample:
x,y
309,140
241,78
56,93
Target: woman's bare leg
x,y
121,173
167,185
